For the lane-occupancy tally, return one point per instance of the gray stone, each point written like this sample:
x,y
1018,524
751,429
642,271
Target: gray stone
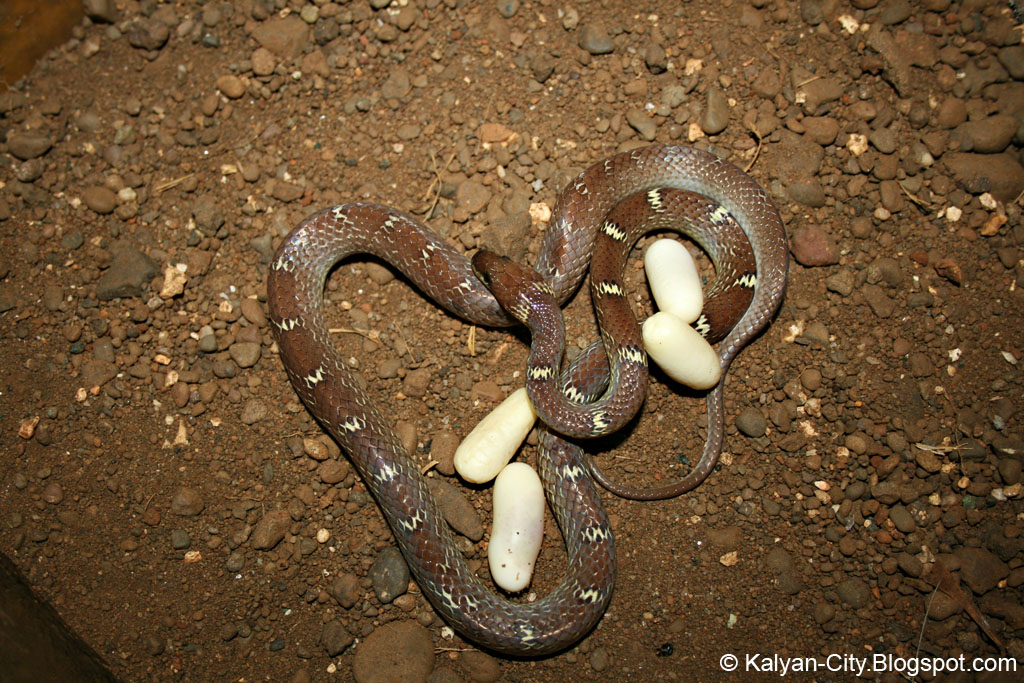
x,y
882,305
456,509
285,36
821,129
941,606
8,298
28,145
796,158
325,30
542,66
951,112
885,270
809,193
509,235
987,136
252,310
187,502
821,91
147,34
246,354
208,214
334,638
673,95
909,565
507,8
841,282
885,140
389,574
897,69
655,58
902,518
397,84
97,372
180,539
207,339
286,192
999,174
442,449
824,612
855,592
235,562
129,271
595,40
813,13
787,576
885,492
751,422
481,666
716,112
642,123
895,12
1012,58
1009,470
472,196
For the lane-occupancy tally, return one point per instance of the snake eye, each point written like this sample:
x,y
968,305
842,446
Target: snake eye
x,y
484,276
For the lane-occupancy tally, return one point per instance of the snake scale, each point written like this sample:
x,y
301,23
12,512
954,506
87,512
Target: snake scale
x,y
320,377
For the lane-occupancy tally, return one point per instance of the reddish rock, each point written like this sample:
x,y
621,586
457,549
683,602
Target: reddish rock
x,y
812,247
270,530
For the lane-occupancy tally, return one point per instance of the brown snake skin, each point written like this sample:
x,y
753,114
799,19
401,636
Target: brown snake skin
x,y
319,375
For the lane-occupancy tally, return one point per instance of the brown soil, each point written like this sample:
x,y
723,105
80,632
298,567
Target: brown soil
x,y
141,456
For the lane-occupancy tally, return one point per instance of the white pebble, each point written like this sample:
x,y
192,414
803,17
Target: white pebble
x,y
674,280
518,526
495,439
680,351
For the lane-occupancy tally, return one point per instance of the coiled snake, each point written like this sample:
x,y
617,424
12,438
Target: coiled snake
x,y
317,371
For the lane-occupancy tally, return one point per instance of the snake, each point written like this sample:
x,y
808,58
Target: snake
x,y
529,297
525,295
333,394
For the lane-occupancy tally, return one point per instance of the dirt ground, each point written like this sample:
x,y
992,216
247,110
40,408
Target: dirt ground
x,y
163,488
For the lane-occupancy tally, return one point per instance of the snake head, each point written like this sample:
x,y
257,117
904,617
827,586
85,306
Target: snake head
x,y
517,288
485,263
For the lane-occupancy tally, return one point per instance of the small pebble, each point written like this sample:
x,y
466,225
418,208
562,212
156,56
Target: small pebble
x,y
595,40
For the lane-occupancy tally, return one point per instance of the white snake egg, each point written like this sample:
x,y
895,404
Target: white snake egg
x,y
518,526
495,439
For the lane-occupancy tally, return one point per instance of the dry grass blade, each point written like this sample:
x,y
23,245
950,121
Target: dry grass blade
x,y
938,450
372,335
435,184
171,183
914,198
757,152
945,582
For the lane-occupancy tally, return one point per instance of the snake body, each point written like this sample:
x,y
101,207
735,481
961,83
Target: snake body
x,y
318,373
528,298
746,202
333,395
